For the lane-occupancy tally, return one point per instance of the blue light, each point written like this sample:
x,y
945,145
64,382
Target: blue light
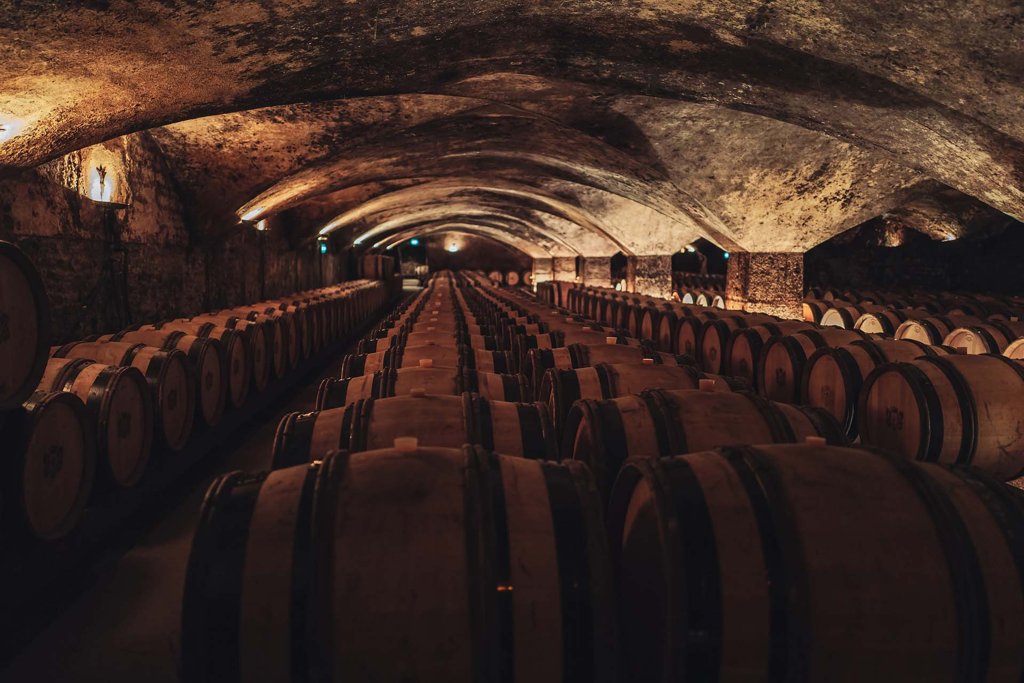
x,y
414,242
725,255
323,247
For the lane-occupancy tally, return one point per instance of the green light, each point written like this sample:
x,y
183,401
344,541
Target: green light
x,y
414,242
323,247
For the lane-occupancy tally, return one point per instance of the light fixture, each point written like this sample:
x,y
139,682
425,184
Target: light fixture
x,y
453,248
101,185
949,237
725,255
690,248
323,247
252,214
8,129
414,242
262,225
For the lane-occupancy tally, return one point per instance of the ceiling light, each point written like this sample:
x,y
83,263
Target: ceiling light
x,y
949,237
725,255
252,213
8,129
690,248
453,248
262,225
414,242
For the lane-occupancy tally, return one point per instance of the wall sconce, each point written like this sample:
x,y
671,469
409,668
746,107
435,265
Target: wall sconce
x,y
8,129
252,214
414,242
322,243
262,225
690,248
453,248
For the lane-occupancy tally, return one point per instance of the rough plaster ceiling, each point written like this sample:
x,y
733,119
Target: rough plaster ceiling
x,y
641,125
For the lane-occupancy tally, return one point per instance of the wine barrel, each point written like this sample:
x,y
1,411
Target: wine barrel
x,y
933,330
430,355
121,414
948,409
512,278
833,377
846,315
539,361
495,276
424,564
48,466
427,338
258,340
208,365
560,389
339,392
744,347
814,309
884,321
167,373
989,337
714,336
658,423
781,365
527,278
277,339
521,429
24,327
235,346
828,564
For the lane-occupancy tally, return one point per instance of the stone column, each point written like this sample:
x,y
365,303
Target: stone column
x,y
651,275
564,268
542,269
766,282
597,271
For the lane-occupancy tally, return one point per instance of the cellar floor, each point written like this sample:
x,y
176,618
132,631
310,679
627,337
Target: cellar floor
x,y
124,626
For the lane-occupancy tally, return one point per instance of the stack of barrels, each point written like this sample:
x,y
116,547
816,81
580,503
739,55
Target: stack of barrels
x,y
376,267
640,519
84,421
47,434
700,289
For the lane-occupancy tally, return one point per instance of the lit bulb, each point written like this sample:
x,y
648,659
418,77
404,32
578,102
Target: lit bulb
x,y
690,248
453,248
8,129
262,225
252,213
725,254
414,242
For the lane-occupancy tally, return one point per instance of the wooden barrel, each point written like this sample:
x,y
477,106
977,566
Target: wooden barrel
x,y
846,315
429,355
339,392
495,276
429,337
521,429
24,327
281,359
208,365
668,323
560,389
744,347
933,330
121,414
814,309
829,564
167,373
885,321
781,365
258,340
48,466
512,278
527,278
948,409
235,347
989,337
424,564
833,377
715,334
658,423
687,332
539,361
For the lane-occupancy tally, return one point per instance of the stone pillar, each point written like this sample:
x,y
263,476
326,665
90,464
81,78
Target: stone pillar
x,y
768,282
651,275
597,271
564,268
542,269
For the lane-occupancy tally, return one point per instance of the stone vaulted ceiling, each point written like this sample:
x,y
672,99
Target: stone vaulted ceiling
x,y
560,128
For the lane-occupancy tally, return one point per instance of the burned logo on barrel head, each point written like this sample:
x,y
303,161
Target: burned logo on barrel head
x,y
53,461
894,418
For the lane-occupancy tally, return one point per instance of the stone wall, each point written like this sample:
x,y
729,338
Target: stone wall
x,y
173,268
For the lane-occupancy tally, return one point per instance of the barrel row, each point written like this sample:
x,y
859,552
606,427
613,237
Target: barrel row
x,y
104,408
